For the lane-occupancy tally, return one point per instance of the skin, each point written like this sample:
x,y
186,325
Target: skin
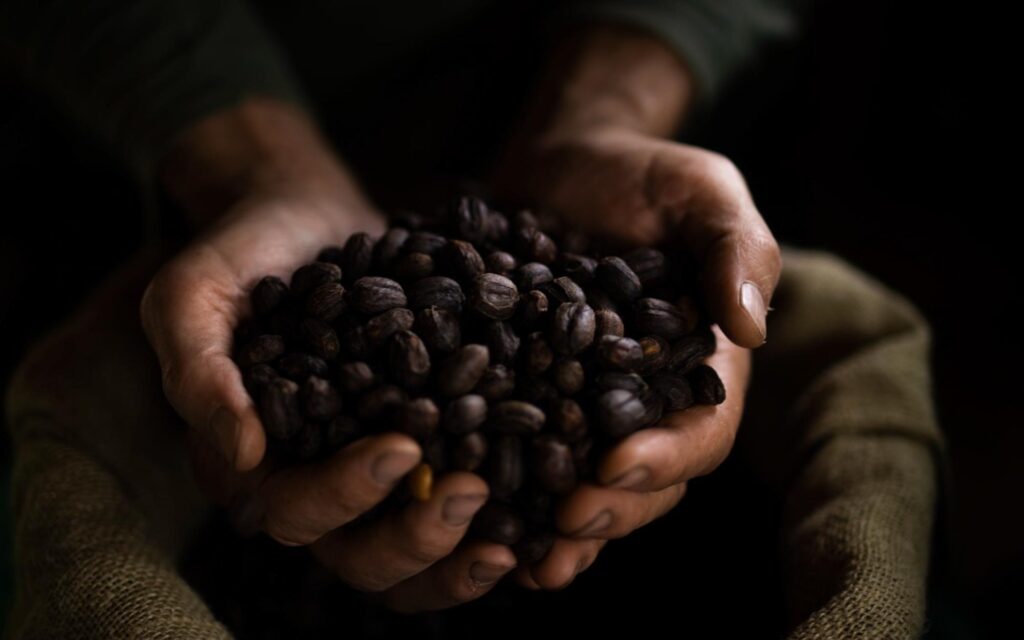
x,y
266,193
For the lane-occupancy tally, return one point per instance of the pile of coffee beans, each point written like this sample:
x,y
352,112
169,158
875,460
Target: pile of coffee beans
x,y
500,350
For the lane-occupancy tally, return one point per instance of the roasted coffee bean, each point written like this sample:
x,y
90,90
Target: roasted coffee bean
x,y
439,329
355,377
501,262
533,547
532,309
660,318
573,328
462,370
494,296
409,360
562,290
619,380
375,404
261,349
435,453
497,382
608,323
531,275
537,354
648,264
268,294
568,419
515,418
654,406
332,254
421,482
536,506
551,464
310,276
372,295
536,390
505,466
468,452
707,386
498,523
580,268
674,389
462,260
388,248
356,344
340,431
307,443
620,353
618,280
691,315
436,291
319,338
424,242
656,352
356,257
285,322
326,302
407,219
689,351
418,418
525,219
583,457
278,406
257,375
298,366
535,245
568,376
620,412
381,327
413,266
319,400
599,300
502,342
472,219
464,414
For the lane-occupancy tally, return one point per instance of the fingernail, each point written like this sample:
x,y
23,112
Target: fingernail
x,y
632,479
487,573
224,426
600,522
753,303
391,466
458,510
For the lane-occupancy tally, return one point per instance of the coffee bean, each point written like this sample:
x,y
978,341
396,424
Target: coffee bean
x,y
504,464
298,366
439,329
256,376
468,452
656,352
620,353
501,263
494,296
355,377
690,350
261,349
502,342
568,376
535,245
326,302
424,242
417,418
356,344
707,386
307,443
498,523
308,277
620,380
608,323
599,300
472,219
532,310
536,390
319,338
436,291
573,328
413,266
356,257
497,382
461,371
648,264
654,406
332,254
580,268
552,464
618,280
463,261
340,431
464,414
372,295
660,318
278,407
674,389
375,404
562,290
388,248
408,359
381,327
531,275
515,418
568,420
319,399
268,294
620,412
537,354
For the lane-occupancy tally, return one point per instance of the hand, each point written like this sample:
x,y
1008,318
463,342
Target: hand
x,y
189,311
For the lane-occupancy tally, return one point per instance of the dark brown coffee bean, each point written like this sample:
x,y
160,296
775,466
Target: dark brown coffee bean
x,y
537,354
472,219
377,403
599,300
498,382
319,400
356,344
568,420
502,342
319,338
387,249
648,264
501,262
439,329
279,408
660,318
462,370
656,352
332,254
298,366
417,418
707,386
534,245
356,257
436,291
525,219
533,547
691,314
536,506
494,296
515,418
413,266
618,280
381,327
568,376
340,431
463,261
573,328
256,376
326,302
355,377
435,453
620,353
583,457
654,406
268,294
307,443
620,412
409,360
535,390
531,275
674,389
580,268
285,322
408,220
498,523
619,380
552,465
532,309
464,414
424,242
562,290
372,295
310,276
504,466
608,323
690,350
261,349
468,452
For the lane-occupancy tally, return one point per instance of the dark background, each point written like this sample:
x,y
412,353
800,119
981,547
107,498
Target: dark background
x,y
883,135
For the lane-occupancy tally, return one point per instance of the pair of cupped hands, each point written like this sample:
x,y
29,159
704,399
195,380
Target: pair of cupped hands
x,y
279,212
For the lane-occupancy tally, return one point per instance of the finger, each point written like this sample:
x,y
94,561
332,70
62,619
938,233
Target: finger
x,y
566,560
468,573
685,444
598,512
377,555
188,313
300,504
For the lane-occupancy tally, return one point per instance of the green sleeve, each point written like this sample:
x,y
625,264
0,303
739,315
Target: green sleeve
x,y
716,38
135,72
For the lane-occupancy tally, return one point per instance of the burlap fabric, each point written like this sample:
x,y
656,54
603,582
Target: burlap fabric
x,y
839,425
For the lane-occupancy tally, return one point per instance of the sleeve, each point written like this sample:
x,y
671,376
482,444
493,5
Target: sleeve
x,y
716,38
134,72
